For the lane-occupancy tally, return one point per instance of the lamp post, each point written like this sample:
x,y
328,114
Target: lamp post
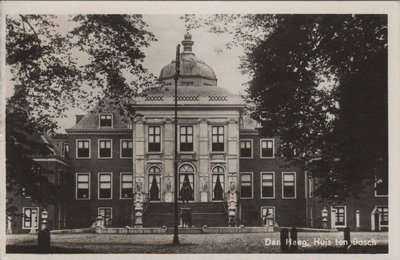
x,y
177,64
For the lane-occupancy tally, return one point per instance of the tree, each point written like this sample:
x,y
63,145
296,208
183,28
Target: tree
x,y
319,82
44,62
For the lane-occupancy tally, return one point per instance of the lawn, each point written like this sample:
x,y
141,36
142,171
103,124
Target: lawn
x,y
194,243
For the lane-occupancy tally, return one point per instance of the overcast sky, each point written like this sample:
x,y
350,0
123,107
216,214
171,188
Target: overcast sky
x,y
169,31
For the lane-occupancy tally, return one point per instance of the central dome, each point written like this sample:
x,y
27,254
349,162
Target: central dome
x,y
193,71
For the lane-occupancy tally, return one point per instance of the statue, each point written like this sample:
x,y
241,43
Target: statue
x,y
169,186
138,186
232,186
204,186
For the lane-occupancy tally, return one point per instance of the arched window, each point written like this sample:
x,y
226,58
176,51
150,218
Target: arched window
x,y
186,180
154,183
218,183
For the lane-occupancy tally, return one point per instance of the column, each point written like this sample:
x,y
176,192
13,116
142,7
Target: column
x,y
204,161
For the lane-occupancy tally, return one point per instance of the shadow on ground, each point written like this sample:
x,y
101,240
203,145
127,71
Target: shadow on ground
x,y
33,249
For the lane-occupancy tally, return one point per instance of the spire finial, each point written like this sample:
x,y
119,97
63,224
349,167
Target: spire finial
x,y
187,42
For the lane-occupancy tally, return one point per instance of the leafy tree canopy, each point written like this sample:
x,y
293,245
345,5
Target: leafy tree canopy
x,y
55,69
319,82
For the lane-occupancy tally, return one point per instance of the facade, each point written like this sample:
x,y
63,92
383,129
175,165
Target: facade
x,y
123,169
28,213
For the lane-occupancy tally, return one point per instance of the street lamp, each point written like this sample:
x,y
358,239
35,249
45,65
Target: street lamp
x,y
177,64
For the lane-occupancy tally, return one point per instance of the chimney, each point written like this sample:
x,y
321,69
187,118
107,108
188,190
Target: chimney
x,y
78,118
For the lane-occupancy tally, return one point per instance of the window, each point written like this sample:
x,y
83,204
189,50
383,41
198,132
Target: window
x,y
126,186
246,149
83,148
217,138
126,148
310,187
154,139
154,186
105,148
381,188
267,148
218,183
246,185
82,186
186,139
186,180
289,185
105,186
207,84
106,213
267,185
340,217
65,149
384,212
105,120
30,218
154,182
167,84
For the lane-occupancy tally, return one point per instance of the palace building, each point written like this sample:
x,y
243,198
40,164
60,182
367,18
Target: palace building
x,y
124,169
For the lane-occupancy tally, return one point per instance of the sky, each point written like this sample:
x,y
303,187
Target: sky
x,y
169,31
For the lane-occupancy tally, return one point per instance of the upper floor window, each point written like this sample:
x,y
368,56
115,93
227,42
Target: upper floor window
x,y
186,139
126,148
288,185
83,148
154,139
105,186
246,185
267,185
105,150
82,186
126,185
246,149
64,149
217,138
267,148
106,120
381,187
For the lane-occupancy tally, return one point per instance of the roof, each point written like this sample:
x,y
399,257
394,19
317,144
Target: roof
x,y
190,95
190,66
90,121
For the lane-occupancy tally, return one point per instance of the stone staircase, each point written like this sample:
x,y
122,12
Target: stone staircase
x,y
212,214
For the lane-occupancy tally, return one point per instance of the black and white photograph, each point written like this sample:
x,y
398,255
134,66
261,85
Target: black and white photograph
x,y
254,129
